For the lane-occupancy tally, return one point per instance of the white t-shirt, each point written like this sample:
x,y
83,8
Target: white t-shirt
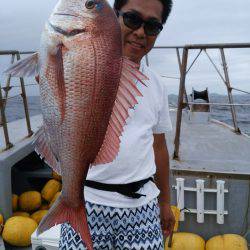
x,y
135,160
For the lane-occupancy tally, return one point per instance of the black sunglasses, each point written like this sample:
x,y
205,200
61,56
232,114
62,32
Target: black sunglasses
x,y
133,21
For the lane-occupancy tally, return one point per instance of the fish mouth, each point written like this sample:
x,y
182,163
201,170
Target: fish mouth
x,y
65,14
65,32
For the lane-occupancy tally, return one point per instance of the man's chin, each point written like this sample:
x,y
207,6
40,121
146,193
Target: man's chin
x,y
132,56
133,59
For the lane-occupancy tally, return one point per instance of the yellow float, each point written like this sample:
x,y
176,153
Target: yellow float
x,y
186,241
30,201
227,242
14,202
1,223
50,189
38,215
18,230
54,199
21,213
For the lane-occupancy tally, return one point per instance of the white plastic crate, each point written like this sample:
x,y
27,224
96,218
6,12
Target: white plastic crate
x,y
48,239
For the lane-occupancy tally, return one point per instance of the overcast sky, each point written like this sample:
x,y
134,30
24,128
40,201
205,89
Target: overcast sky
x,y
192,21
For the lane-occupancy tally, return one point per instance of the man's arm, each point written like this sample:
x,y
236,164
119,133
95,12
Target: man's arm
x,y
162,182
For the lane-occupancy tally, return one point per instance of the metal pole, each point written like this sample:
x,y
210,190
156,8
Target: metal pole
x,y
229,90
179,63
8,81
4,123
178,58
180,102
25,103
7,88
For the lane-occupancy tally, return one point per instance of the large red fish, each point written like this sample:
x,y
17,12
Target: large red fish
x,y
86,89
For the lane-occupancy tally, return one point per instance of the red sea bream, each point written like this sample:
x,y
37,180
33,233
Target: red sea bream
x,y
86,89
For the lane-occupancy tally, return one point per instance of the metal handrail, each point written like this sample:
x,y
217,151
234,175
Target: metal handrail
x,y
182,100
184,70
219,104
3,99
182,89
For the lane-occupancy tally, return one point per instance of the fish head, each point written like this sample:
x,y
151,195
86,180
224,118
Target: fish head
x,y
82,18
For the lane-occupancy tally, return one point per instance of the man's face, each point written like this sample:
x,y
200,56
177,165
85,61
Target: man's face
x,y
136,43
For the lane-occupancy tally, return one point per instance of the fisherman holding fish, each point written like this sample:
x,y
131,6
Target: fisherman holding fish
x,y
105,115
121,197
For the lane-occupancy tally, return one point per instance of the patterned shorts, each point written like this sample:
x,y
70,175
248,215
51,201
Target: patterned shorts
x,y
118,228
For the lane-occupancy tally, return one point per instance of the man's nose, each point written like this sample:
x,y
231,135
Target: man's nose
x,y
140,32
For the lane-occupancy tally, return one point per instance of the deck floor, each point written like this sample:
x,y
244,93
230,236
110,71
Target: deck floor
x,y
17,130
210,147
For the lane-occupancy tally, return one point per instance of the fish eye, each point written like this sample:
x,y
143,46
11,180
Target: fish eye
x,y
90,4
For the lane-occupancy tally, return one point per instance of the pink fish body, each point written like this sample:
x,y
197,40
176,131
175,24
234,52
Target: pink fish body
x,y
86,89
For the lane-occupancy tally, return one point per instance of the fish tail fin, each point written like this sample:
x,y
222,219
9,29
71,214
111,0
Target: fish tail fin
x,y
60,213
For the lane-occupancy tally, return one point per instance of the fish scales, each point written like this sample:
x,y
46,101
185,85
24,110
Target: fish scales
x,y
90,106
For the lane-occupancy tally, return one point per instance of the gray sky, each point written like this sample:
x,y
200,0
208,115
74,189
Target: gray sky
x,y
193,21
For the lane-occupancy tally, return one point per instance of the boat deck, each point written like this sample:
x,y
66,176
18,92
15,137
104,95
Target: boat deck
x,y
210,147
18,132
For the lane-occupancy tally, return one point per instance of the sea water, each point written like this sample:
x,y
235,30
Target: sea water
x,y
15,110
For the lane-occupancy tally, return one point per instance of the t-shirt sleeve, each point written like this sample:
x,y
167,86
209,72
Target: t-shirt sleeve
x,y
164,122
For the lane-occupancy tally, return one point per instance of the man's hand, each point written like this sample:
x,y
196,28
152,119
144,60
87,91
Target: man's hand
x,y
162,182
37,78
167,219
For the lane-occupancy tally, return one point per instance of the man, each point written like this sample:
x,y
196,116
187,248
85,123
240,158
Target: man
x,y
121,197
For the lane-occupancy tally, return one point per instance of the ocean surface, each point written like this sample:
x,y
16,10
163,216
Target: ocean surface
x,y
223,113
15,110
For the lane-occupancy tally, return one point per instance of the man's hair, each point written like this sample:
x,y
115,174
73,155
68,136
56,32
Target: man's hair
x,y
167,6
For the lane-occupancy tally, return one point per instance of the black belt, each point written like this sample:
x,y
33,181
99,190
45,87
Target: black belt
x,y
129,189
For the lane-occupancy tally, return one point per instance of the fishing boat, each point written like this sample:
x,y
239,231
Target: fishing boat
x,y
209,159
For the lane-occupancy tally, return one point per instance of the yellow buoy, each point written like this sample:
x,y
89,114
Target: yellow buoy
x,y
176,212
21,213
14,202
186,241
38,215
227,242
56,176
18,230
30,201
50,189
54,199
44,206
1,223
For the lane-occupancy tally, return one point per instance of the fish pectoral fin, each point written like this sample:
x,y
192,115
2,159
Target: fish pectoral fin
x,y
60,83
44,149
25,67
125,100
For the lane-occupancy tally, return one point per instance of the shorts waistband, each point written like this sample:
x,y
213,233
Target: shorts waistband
x,y
129,189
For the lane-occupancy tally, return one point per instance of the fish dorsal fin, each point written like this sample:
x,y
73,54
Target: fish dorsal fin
x,y
26,67
126,99
44,149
